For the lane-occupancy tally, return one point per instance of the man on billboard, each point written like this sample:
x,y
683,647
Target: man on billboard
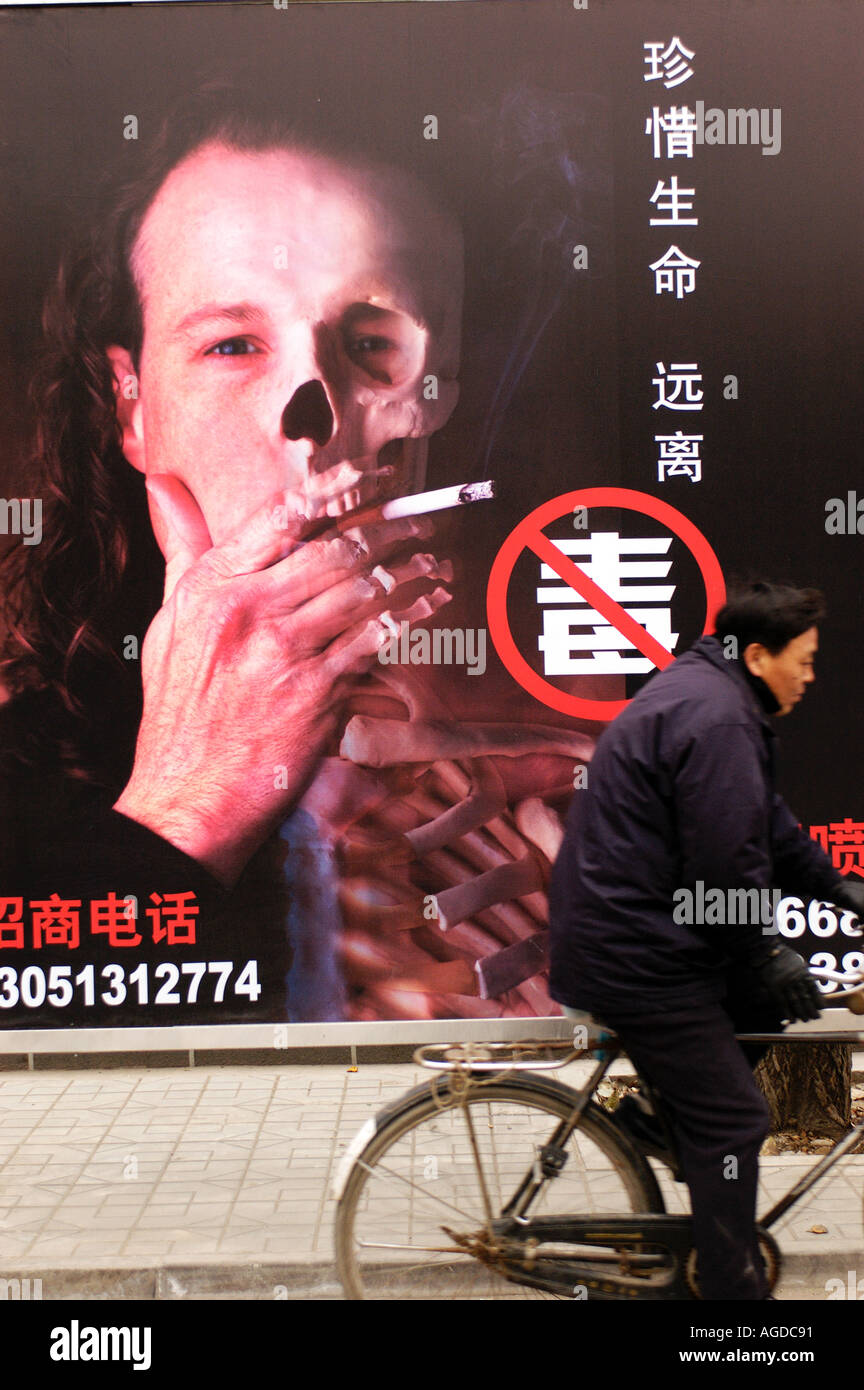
x,y
267,331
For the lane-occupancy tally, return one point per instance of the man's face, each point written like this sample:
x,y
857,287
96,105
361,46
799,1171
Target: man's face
x,y
787,673
294,309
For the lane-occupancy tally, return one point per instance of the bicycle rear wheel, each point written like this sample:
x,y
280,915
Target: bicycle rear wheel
x,y
442,1163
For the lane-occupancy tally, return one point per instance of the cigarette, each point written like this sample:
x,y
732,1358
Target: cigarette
x,y
439,500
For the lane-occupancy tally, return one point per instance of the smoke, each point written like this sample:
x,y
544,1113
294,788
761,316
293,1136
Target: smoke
x,y
545,170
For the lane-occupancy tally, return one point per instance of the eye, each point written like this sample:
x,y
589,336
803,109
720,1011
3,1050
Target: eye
x,y
232,347
371,344
383,343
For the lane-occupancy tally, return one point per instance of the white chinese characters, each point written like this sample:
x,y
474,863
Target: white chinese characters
x,y
576,639
675,201
679,388
674,272
674,134
671,62
679,456
679,126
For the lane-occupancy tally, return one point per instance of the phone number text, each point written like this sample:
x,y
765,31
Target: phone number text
x,y
193,982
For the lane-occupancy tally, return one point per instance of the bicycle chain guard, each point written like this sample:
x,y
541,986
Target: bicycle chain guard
x,y
654,1255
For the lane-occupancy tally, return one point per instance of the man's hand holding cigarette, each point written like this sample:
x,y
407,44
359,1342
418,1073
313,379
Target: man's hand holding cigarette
x,y
245,663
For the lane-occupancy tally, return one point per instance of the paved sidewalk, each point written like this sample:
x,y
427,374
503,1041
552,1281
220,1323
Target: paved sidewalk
x,y
214,1182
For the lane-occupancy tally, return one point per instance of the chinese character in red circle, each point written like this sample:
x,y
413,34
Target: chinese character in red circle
x,y
111,915
11,923
172,917
56,922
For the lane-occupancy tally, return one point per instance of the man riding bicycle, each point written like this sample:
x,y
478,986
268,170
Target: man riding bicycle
x,y
681,793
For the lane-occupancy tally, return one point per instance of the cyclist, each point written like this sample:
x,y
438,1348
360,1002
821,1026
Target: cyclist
x,y
680,793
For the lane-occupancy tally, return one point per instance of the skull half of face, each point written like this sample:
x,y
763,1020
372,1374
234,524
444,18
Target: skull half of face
x,y
386,346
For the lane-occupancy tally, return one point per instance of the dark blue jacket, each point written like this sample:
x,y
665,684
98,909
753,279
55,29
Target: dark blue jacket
x,y
680,790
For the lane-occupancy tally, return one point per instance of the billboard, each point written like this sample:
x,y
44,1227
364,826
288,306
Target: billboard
x,y
278,744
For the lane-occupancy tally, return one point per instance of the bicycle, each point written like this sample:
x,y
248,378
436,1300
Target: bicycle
x,y
486,1183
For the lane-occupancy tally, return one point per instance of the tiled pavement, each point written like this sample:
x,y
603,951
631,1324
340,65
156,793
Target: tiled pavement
x,y
214,1182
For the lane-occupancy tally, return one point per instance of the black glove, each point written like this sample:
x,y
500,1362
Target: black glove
x,y
849,893
790,984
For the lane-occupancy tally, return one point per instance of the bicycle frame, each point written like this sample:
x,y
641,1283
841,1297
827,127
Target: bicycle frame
x,y
662,1272
844,1145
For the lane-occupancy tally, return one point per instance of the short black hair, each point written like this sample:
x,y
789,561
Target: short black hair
x,y
772,614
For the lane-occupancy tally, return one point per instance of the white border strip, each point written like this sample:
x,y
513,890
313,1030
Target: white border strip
x,y
285,1036
275,1036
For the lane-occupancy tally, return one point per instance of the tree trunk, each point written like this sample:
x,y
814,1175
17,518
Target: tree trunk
x,y
808,1087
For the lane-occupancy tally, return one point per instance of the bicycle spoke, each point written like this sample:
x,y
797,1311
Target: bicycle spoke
x,y
481,1178
424,1192
412,1249
495,1164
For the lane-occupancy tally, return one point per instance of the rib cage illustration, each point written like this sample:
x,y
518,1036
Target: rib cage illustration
x,y
442,834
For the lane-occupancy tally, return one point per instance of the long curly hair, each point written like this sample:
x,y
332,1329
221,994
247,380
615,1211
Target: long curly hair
x,y
71,602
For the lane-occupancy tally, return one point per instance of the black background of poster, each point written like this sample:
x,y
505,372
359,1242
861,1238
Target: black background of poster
x,y
779,291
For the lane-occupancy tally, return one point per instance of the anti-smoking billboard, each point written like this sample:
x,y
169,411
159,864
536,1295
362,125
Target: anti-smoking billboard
x,y
388,392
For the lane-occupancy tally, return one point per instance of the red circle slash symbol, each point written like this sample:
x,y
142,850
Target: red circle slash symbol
x,y
528,535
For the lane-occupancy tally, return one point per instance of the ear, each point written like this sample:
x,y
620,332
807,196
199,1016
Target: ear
x,y
753,654
127,406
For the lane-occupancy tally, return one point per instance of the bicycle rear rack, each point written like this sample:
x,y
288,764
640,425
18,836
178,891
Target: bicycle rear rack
x,y
538,1055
